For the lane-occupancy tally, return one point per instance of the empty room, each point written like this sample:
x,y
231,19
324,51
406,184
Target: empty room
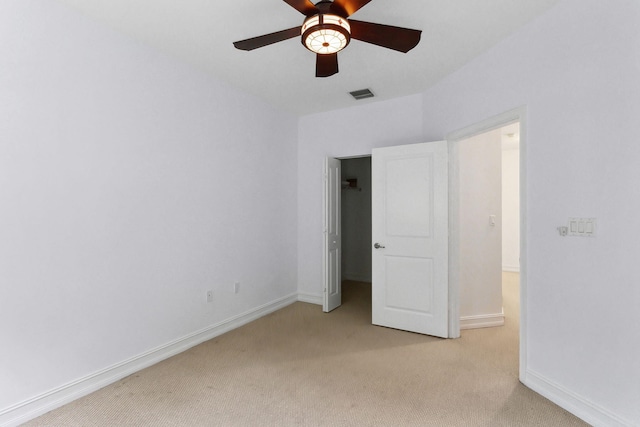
x,y
170,235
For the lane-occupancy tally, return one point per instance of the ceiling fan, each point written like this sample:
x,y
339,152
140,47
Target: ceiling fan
x,y
326,31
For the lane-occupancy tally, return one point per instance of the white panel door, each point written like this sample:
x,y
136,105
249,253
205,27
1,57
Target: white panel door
x,y
410,233
332,237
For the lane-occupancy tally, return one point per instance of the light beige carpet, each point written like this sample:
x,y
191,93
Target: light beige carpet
x,y
302,367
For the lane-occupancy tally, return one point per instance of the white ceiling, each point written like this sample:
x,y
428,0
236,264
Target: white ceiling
x,y
201,32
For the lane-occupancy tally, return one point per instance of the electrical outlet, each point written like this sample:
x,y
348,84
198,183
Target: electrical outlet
x,y
209,296
236,287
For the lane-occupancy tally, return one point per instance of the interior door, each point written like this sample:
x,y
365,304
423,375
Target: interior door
x,y
332,239
410,233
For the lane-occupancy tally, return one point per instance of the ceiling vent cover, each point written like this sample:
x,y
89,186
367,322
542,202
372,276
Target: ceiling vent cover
x,y
362,94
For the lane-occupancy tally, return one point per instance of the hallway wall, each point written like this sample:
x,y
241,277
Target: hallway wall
x,y
480,248
511,209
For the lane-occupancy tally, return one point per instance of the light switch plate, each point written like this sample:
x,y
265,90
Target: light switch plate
x,y
582,227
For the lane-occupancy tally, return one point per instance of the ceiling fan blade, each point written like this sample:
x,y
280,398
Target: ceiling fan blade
x,y
305,7
267,39
396,38
326,64
349,6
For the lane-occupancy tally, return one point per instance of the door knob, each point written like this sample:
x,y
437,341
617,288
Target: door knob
x,y
378,246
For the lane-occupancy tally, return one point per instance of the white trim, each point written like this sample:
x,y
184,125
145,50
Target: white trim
x,y
524,260
482,321
572,402
45,402
310,298
454,239
325,231
516,115
511,269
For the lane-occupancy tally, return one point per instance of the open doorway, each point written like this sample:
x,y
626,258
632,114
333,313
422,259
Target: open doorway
x,y
487,223
356,219
514,271
356,229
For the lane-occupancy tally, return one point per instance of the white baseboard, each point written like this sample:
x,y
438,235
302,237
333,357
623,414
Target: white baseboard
x,y
572,402
511,268
41,404
310,298
482,321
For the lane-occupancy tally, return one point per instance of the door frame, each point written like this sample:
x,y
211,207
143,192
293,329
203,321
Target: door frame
x,y
516,115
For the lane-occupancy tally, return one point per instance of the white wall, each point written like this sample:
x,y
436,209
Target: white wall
x,y
129,185
480,246
511,209
576,69
356,221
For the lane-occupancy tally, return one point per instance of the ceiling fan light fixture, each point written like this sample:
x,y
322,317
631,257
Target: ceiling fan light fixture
x,y
325,33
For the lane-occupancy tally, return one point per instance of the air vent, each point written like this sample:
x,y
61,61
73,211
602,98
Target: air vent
x,y
362,94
